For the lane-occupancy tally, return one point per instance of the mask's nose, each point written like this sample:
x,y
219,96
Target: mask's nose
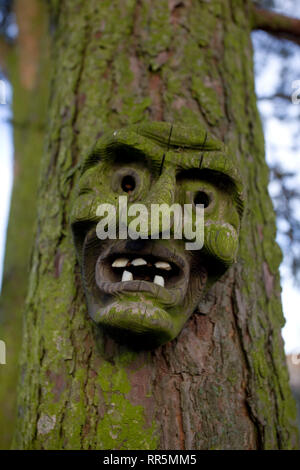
x,y
161,193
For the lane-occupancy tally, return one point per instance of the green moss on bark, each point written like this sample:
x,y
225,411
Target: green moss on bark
x,y
222,383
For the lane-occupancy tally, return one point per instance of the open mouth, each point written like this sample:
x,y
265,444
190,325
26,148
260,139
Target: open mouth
x,y
119,268
139,288
154,269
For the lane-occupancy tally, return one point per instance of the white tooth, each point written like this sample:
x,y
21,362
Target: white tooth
x,y
138,262
163,265
159,280
127,276
120,263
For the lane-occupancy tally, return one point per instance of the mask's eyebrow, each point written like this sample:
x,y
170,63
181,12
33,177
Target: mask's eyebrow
x,y
213,165
124,147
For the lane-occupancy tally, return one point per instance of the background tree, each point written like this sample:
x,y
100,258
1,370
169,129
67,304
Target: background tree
x,y
23,61
223,382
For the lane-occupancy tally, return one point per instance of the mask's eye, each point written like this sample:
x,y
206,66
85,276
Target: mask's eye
x,y
133,181
128,184
202,198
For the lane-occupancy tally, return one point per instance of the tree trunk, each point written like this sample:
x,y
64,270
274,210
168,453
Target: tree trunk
x,y
25,64
222,383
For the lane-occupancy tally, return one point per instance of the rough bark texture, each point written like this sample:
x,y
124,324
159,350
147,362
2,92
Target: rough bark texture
x,y
223,383
25,64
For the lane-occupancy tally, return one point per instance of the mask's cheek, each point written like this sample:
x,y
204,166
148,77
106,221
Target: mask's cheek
x,y
221,241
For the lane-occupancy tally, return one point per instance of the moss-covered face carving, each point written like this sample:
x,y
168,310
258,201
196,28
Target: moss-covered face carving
x,y
143,291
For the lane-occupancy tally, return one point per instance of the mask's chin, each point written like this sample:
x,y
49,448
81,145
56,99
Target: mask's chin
x,y
142,291
139,323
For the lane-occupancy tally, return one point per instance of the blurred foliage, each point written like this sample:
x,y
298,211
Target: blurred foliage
x,y
7,19
277,65
286,197
265,3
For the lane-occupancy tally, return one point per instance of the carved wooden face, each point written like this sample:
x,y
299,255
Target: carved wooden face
x,y
143,290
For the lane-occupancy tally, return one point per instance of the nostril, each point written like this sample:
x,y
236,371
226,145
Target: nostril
x,y
128,184
202,198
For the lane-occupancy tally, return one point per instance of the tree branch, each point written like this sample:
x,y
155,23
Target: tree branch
x,y
281,26
276,95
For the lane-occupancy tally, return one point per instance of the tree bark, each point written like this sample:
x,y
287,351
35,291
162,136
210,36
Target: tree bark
x,y
25,64
223,383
